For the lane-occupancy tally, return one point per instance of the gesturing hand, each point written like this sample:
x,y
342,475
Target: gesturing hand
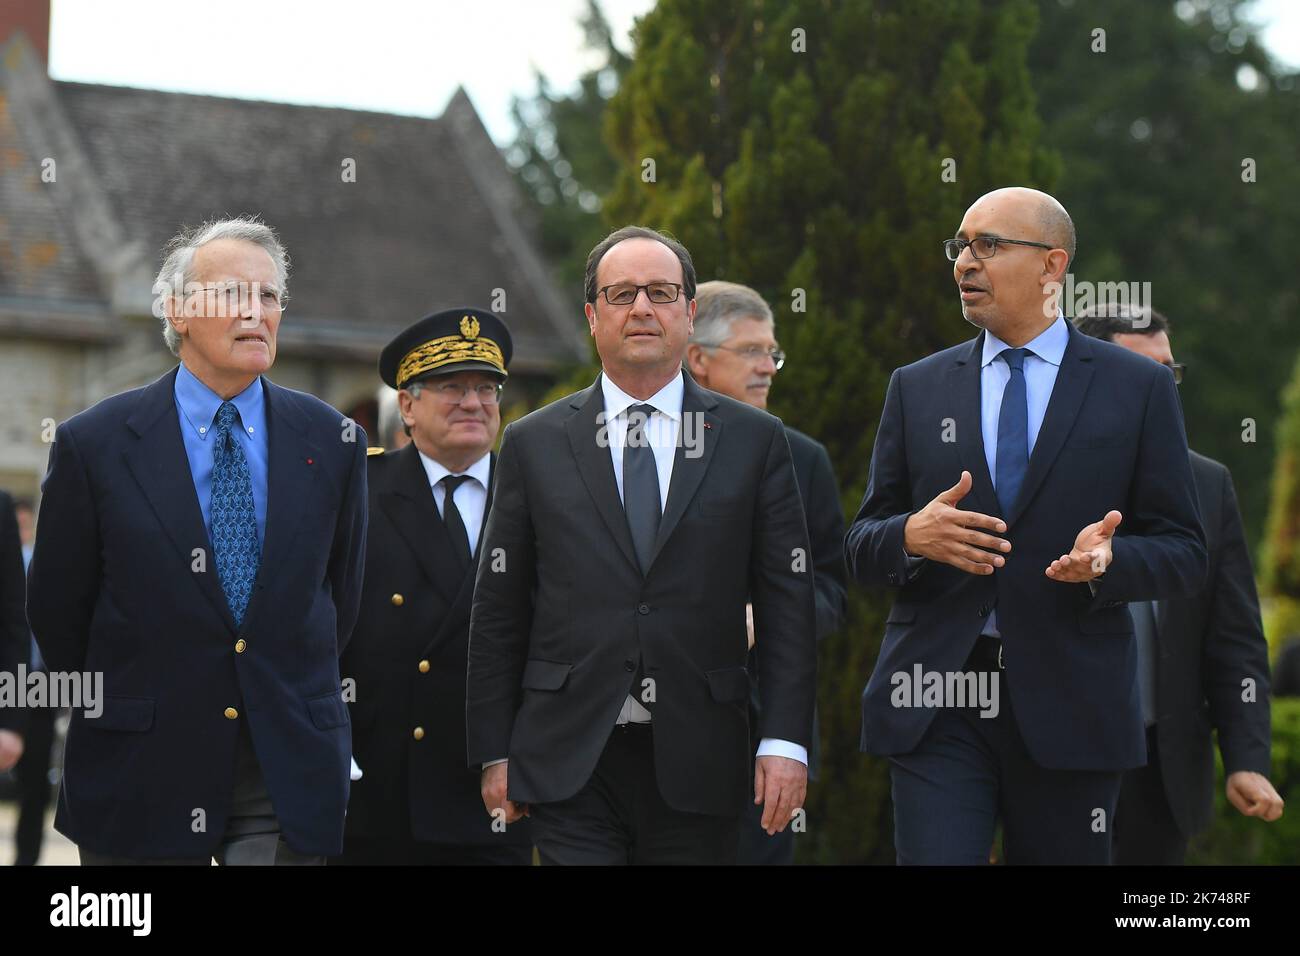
x,y
1091,554
941,532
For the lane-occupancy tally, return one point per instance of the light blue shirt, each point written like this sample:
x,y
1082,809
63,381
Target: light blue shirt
x,y
1042,362
196,407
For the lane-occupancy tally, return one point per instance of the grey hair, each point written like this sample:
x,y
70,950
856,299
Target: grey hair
x,y
390,414
717,307
178,261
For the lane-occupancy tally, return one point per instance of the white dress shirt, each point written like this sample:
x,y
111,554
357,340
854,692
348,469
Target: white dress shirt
x,y
471,496
662,430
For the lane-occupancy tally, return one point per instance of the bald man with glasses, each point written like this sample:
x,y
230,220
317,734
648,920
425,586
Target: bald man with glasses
x,y
1024,487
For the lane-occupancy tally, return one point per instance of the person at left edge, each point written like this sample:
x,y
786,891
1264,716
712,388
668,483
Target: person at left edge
x,y
14,638
417,801
201,545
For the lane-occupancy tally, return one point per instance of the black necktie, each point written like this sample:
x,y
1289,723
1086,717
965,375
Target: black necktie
x,y
641,504
452,519
640,485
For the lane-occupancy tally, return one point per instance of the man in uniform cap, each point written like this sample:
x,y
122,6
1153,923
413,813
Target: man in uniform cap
x,y
417,801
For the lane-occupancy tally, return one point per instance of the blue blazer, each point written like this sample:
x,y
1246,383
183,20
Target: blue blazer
x,y
1112,438
118,584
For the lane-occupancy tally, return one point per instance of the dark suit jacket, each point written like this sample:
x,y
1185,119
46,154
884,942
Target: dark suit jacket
x,y
820,494
1112,437
15,639
408,657
115,586
560,620
1208,644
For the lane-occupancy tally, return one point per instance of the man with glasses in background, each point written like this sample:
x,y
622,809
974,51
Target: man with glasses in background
x,y
734,352
416,801
201,544
1202,661
1002,471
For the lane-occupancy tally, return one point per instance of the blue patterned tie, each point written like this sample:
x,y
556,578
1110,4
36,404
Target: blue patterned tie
x,y
1013,432
234,517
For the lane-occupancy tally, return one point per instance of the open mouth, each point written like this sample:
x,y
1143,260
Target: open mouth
x,y
969,290
251,337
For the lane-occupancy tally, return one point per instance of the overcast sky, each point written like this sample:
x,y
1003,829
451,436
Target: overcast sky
x,y
397,56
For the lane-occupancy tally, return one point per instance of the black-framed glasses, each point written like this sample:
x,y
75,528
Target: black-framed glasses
x,y
625,293
453,393
983,247
755,353
1179,370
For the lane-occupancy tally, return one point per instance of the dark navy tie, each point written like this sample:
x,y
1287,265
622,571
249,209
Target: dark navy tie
x,y
1013,432
234,516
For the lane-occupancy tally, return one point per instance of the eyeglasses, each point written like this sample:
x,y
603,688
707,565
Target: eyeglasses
x,y
660,293
755,354
236,298
1179,370
983,247
453,393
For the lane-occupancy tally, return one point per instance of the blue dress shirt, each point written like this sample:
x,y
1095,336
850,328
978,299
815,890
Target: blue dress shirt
x,y
196,407
1041,365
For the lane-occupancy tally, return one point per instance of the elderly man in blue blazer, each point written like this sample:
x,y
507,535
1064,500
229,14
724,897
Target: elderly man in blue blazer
x,y
201,545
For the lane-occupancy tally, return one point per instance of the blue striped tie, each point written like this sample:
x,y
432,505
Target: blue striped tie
x,y
234,516
1013,432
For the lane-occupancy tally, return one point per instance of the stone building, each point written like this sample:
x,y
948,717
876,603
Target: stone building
x,y
386,218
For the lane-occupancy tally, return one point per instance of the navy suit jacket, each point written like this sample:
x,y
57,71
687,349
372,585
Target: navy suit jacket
x,y
123,581
1112,438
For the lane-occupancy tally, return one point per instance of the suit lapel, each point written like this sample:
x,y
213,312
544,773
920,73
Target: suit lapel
x,y
964,408
410,506
153,460
1062,409
293,463
585,428
688,470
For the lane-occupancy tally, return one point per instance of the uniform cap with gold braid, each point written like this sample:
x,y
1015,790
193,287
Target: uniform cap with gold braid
x,y
455,340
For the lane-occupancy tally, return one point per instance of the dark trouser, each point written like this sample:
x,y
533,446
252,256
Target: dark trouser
x,y
756,847
385,851
33,775
252,835
1145,831
970,771
619,817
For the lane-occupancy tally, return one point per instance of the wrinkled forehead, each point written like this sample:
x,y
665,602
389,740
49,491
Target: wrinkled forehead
x,y
233,259
638,260
1009,215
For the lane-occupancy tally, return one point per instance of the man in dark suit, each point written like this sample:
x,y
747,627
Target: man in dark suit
x,y
417,801
733,351
1006,686
630,524
14,636
201,545
1202,661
